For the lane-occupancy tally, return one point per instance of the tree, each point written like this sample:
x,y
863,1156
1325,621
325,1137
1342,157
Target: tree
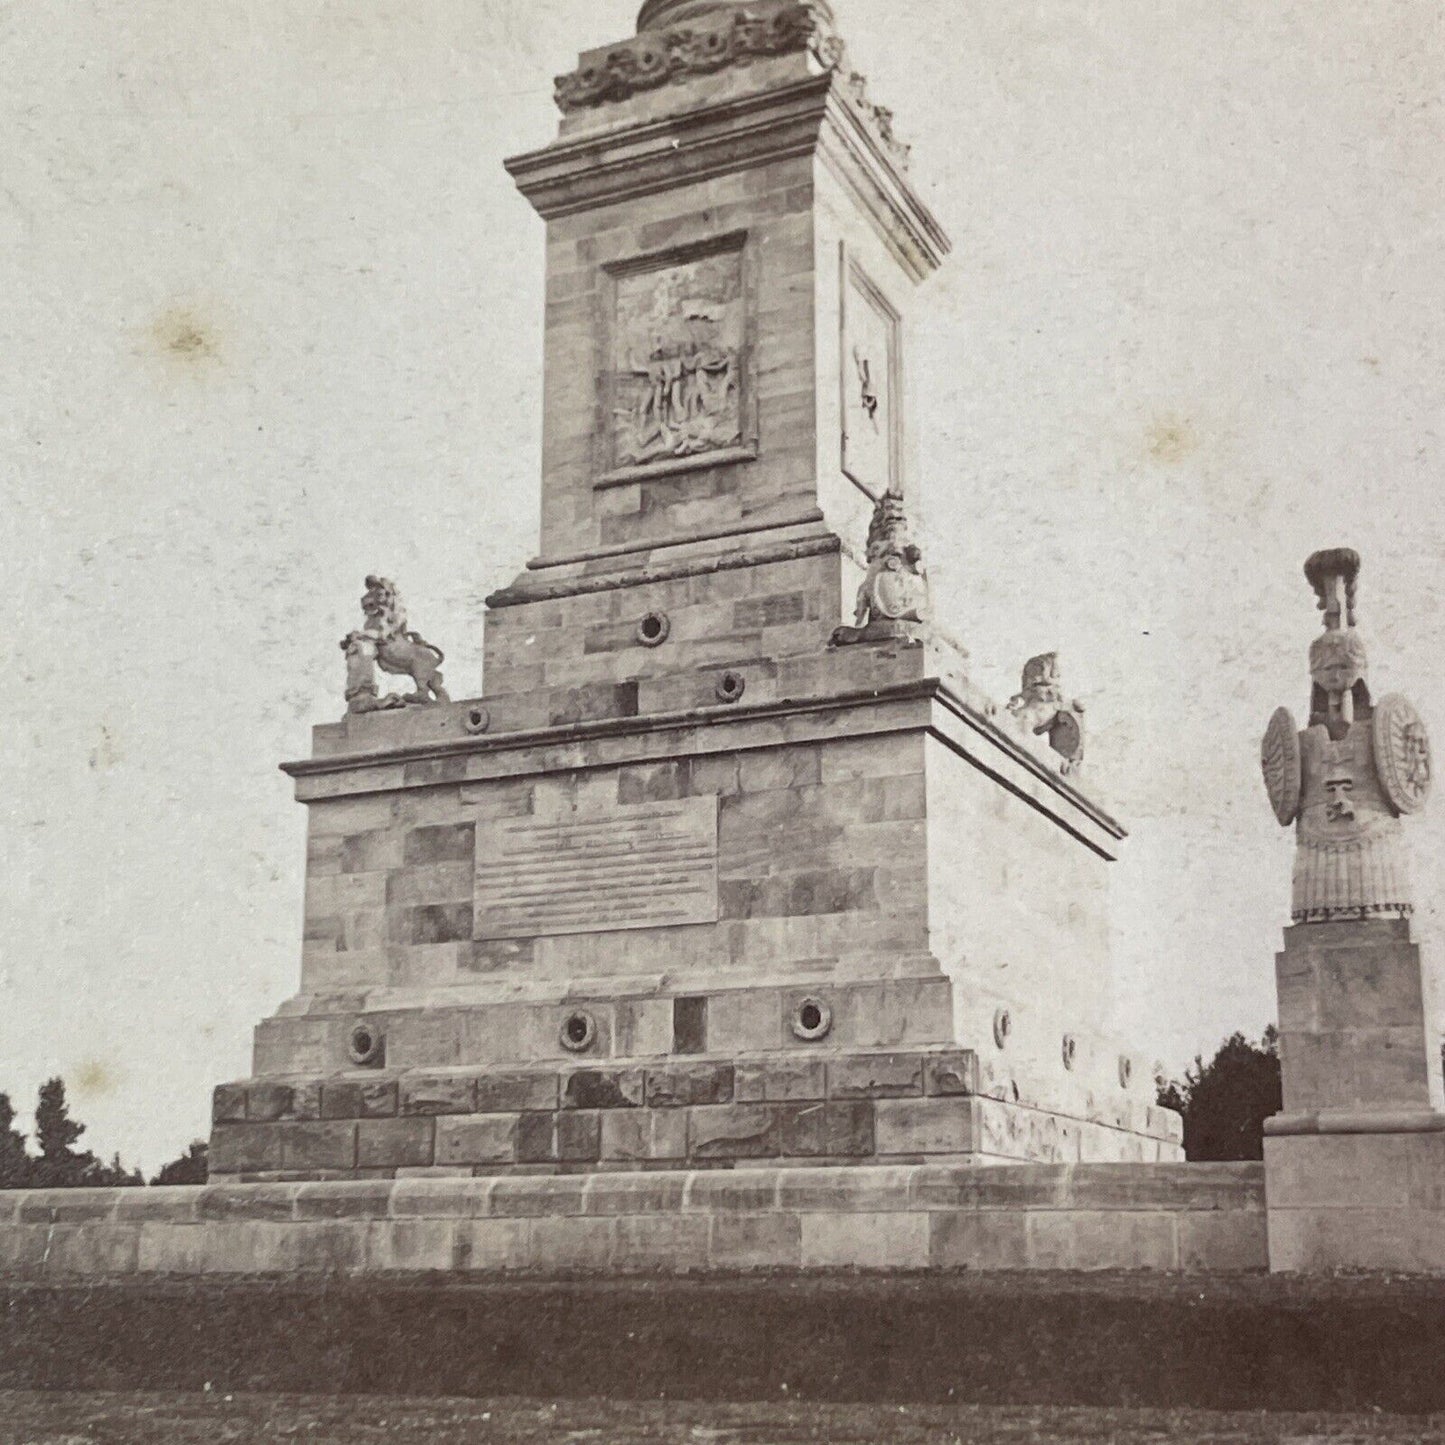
x,y
15,1163
1226,1101
59,1165
193,1167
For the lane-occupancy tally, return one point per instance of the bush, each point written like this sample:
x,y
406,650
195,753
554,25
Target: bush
x,y
1226,1101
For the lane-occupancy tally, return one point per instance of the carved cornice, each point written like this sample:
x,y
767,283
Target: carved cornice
x,y
714,42
580,172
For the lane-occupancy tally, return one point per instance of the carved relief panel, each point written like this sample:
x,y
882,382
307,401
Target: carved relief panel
x,y
676,385
871,365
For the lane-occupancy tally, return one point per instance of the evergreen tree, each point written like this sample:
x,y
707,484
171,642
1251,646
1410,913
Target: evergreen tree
x,y
15,1163
193,1167
1226,1101
59,1165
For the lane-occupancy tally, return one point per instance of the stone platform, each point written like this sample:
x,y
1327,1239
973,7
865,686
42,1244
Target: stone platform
x,y
910,1217
662,1114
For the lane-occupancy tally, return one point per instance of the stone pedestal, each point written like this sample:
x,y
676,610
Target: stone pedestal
x,y
1355,1164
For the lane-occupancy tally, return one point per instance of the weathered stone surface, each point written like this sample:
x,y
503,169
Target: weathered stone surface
x,y
438,1094
733,1131
505,1093
308,1147
477,1139
267,1101
644,1134
394,1143
925,1126
877,1076
242,1148
677,1085
359,1099
780,1080
604,1089
579,1136
228,1104
843,1129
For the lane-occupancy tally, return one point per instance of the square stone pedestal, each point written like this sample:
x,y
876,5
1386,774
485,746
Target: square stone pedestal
x,y
1355,1165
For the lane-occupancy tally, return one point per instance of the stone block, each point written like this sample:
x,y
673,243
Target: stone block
x,y
536,1138
498,1245
268,1102
714,1191
743,1020
604,1089
309,1147
1222,1240
579,1136
660,1242
1406,1241
996,1239
863,1190
359,1099
784,1079
842,1129
572,1243
395,1143
159,1204
228,1104
93,1249
23,1248
733,1131
512,1092
411,1244
232,1203
245,1148
865,1241
349,1199
635,1193
418,1039
1110,1239
678,1085
433,1197
439,1094
534,1196
643,1027
950,1074
644,1134
441,843
755,1241
876,1076
925,1126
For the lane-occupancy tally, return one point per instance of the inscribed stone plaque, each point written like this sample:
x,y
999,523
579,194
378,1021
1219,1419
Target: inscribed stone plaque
x,y
639,867
677,344
870,378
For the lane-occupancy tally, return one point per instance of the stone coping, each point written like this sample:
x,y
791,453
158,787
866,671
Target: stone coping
x,y
911,1217
905,1188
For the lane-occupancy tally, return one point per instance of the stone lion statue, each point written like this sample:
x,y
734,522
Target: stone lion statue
x,y
386,642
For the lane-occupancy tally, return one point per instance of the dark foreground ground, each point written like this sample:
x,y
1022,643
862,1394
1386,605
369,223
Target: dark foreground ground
x,y
1342,1345
133,1419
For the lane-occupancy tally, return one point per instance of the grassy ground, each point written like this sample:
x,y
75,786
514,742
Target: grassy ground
x,y
1344,1345
67,1418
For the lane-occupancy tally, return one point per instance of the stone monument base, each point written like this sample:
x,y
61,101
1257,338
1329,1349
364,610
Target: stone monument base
x,y
910,1217
1356,1191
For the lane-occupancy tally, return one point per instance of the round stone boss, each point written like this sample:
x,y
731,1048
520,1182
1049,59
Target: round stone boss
x,y
653,629
578,1032
731,686
812,1020
1003,1026
366,1043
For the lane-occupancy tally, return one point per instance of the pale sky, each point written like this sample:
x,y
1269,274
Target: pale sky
x,y
272,320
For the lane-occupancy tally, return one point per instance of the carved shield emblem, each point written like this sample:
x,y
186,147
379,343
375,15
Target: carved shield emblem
x,y
1066,737
1279,756
1402,753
